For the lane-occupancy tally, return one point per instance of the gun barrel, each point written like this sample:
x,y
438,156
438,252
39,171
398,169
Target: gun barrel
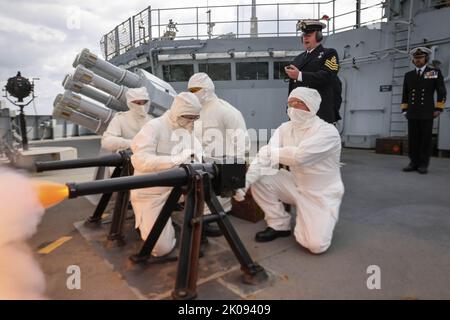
x,y
168,178
107,161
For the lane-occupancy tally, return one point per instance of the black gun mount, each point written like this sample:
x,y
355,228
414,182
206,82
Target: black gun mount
x,y
123,168
229,174
199,183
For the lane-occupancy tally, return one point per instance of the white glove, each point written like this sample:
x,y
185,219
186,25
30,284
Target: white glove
x,y
287,155
284,155
114,144
269,155
239,195
183,157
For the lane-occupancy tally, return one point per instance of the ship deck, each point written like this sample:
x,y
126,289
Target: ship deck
x,y
397,221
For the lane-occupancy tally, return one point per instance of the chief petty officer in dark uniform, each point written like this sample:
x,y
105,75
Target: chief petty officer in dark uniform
x,y
419,108
315,68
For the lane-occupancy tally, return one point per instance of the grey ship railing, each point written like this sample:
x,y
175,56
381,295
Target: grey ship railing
x,y
274,19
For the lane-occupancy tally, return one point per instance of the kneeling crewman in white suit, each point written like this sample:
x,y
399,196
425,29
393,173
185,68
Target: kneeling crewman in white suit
x,y
311,148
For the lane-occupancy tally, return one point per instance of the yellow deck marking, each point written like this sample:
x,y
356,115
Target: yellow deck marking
x,y
55,244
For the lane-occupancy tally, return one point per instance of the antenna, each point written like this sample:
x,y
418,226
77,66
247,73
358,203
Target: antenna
x,y
253,21
210,24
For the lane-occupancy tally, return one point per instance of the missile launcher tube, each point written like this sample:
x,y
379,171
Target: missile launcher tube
x,y
120,76
86,76
78,87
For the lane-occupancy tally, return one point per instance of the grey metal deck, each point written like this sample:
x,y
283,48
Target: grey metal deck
x,y
397,221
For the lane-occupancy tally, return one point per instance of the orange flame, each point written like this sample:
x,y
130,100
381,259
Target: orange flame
x,y
50,193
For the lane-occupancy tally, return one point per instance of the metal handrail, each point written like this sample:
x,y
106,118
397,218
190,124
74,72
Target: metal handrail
x,y
140,28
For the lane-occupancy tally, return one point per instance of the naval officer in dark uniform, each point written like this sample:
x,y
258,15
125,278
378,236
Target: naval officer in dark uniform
x,y
419,108
315,68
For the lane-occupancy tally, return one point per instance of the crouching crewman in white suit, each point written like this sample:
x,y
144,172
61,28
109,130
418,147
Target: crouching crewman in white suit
x,y
311,148
163,143
125,125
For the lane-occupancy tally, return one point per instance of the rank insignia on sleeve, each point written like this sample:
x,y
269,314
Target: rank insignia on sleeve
x,y
332,64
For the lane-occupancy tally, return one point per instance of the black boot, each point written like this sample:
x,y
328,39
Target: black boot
x,y
270,234
422,170
409,168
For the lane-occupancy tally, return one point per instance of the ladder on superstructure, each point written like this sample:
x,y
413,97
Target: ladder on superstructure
x,y
402,41
401,65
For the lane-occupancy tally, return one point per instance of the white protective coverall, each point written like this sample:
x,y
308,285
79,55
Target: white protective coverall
x,y
163,143
311,148
125,125
221,127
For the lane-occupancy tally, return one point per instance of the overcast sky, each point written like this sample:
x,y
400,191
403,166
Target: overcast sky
x,y
41,38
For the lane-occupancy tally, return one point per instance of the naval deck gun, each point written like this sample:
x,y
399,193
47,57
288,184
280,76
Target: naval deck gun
x,y
96,90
